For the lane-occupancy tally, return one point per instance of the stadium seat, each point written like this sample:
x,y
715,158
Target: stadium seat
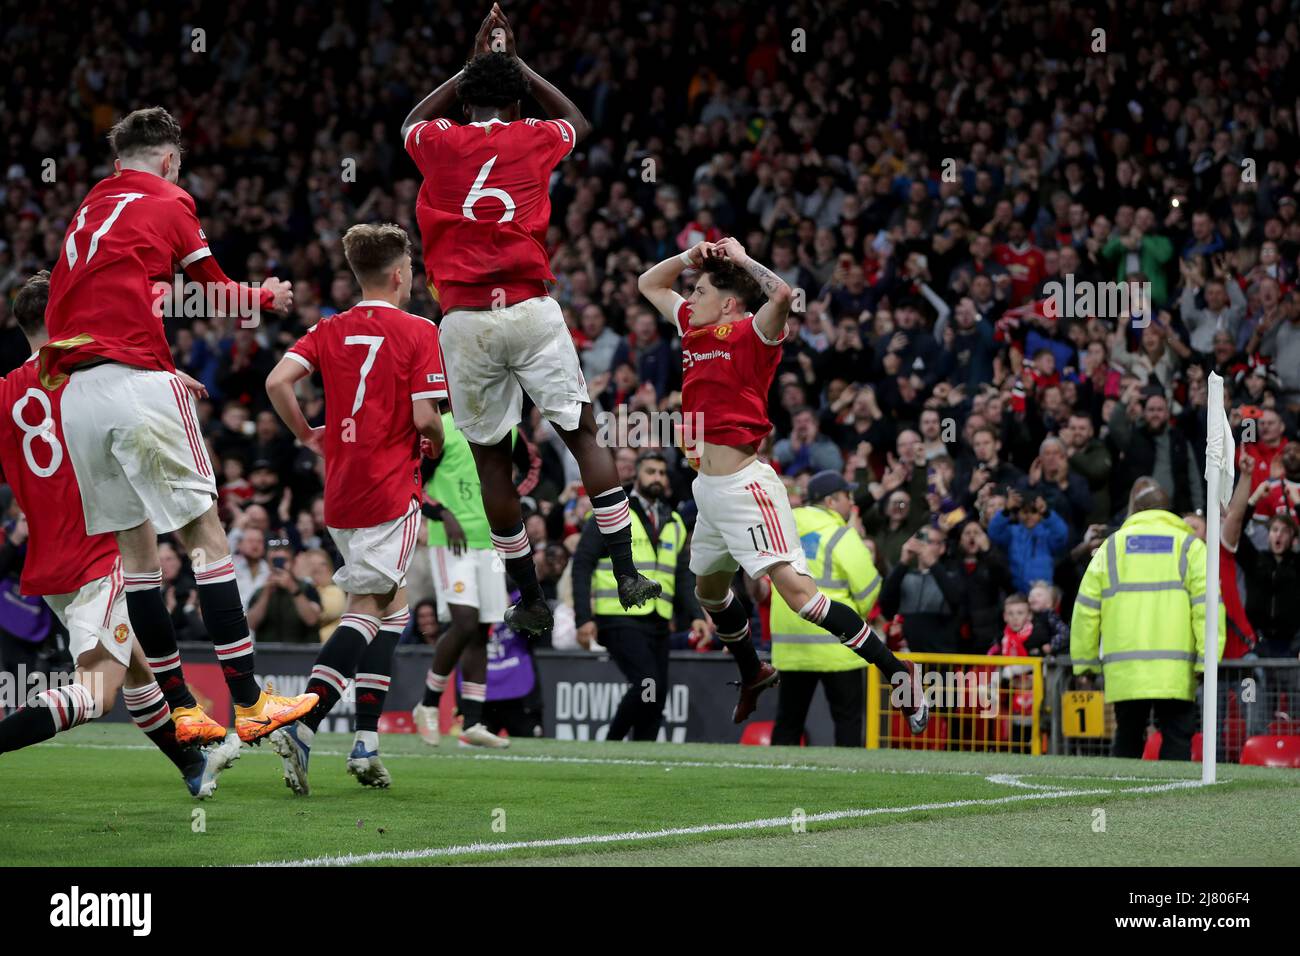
x,y
1152,749
1271,751
758,733
396,722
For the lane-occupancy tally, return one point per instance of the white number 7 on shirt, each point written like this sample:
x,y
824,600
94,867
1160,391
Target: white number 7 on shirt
x,y
373,341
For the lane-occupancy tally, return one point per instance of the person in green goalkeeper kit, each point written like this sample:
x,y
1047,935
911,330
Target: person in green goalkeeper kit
x,y
470,580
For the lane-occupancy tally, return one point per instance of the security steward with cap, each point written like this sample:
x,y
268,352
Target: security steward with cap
x,y
1141,608
638,638
805,654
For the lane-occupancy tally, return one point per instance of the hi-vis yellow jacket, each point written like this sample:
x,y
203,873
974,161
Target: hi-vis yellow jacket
x,y
842,568
1141,605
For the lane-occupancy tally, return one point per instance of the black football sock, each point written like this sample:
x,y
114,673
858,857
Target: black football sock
x,y
223,614
516,551
614,519
853,632
434,685
153,629
375,670
473,680
337,663
732,623
150,712
54,711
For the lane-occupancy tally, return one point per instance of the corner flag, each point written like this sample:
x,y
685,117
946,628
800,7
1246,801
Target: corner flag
x,y
1220,456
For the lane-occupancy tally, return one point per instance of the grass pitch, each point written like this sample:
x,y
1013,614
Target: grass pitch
x,y
102,796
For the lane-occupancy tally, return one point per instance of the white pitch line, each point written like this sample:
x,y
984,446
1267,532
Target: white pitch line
x,y
669,764
767,823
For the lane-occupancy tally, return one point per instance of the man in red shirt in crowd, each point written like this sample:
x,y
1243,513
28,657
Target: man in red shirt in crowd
x,y
1022,260
1270,439
383,378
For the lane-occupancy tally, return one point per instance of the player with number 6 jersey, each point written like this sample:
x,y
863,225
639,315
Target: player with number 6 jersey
x,y
80,577
130,420
483,211
383,378
729,357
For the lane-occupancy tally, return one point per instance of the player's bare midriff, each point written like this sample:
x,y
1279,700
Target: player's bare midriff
x,y
717,461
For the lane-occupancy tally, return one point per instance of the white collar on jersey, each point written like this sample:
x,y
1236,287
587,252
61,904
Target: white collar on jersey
x,y
489,122
374,303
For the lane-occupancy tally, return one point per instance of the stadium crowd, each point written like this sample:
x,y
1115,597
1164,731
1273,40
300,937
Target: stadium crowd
x,y
921,176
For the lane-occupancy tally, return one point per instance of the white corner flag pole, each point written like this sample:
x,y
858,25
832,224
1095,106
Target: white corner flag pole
x,y
1220,455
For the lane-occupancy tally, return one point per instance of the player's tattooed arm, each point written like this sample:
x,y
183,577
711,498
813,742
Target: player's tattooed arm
x,y
656,283
771,319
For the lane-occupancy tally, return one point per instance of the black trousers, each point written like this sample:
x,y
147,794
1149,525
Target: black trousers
x,y
846,693
1175,719
641,652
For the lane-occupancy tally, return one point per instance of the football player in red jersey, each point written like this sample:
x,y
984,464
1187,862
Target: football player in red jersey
x,y
383,378
729,357
80,578
130,421
483,211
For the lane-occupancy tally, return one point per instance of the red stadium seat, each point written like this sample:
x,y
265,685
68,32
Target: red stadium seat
x,y
758,733
1272,751
396,722
1152,749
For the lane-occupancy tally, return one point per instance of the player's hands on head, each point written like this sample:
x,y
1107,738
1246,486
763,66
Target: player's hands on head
x,y
282,290
701,251
729,248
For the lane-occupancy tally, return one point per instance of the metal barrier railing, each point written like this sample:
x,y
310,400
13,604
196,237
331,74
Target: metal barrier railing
x,y
1256,696
977,702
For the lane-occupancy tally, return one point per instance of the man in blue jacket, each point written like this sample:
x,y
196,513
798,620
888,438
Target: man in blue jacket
x,y
1032,535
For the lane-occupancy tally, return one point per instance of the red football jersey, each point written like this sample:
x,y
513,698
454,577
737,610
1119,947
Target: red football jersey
x,y
484,207
128,235
727,370
34,459
1027,268
375,360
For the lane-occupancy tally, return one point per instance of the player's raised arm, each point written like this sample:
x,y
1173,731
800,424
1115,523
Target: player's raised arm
x,y
656,283
771,318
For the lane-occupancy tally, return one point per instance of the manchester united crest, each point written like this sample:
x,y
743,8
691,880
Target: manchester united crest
x,y
121,634
722,331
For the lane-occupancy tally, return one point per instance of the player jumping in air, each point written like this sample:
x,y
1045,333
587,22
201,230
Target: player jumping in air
x,y
383,379
728,359
483,211
80,578
130,421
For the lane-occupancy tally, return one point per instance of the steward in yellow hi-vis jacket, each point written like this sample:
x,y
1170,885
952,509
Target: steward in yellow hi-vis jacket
x,y
806,654
1141,608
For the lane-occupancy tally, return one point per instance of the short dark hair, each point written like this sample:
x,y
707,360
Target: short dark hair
x,y
651,455
29,304
142,130
730,278
492,79
372,249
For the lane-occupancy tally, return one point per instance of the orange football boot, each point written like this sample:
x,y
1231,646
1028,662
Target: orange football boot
x,y
271,712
